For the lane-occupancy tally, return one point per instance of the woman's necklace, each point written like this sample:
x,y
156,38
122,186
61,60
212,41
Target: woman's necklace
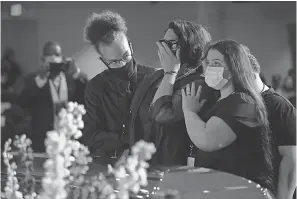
x,y
187,72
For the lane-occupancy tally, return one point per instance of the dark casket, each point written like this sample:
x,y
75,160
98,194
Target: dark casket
x,y
191,183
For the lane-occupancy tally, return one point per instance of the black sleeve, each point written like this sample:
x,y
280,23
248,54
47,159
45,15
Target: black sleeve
x,y
211,96
282,116
28,96
237,114
168,108
79,91
96,134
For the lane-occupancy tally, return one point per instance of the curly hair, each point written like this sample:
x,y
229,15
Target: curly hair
x,y
193,39
104,28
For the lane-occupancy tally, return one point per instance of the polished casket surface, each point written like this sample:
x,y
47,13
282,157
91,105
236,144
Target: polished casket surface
x,y
192,183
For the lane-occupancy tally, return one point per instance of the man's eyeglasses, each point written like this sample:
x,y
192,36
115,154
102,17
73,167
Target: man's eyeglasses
x,y
127,57
172,44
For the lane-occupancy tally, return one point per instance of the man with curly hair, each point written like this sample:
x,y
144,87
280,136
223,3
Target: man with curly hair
x,y
108,95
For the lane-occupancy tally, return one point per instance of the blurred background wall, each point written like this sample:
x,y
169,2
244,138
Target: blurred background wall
x,y
263,26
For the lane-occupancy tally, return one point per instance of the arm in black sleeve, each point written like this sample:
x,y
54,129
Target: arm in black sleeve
x,y
30,93
168,109
282,116
79,96
96,134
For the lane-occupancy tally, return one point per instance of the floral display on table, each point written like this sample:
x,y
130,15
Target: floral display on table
x,y
67,165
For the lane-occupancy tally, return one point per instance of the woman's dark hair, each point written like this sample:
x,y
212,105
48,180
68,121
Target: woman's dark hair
x,y
192,38
237,60
104,28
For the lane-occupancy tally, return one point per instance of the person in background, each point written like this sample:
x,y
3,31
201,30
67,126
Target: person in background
x,y
289,86
157,116
47,91
108,95
13,114
276,83
10,72
282,119
235,137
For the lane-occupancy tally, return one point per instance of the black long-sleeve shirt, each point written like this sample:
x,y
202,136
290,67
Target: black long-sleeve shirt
x,y
107,103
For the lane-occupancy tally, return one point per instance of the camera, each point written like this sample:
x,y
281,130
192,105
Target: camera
x,y
56,68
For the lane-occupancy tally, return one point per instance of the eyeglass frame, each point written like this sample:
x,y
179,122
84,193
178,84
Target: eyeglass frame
x,y
170,43
120,60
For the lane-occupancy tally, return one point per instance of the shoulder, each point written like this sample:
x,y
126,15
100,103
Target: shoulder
x,y
98,83
238,112
276,101
153,74
145,69
238,105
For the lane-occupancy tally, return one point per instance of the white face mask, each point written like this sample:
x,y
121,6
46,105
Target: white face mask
x,y
214,77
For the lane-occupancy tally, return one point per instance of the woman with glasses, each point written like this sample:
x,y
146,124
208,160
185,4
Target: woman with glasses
x,y
234,136
157,116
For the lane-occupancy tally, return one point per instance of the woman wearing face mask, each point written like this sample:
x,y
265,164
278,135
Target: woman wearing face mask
x,y
157,108
235,137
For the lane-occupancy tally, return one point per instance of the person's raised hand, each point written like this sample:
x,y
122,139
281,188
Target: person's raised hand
x,y
168,60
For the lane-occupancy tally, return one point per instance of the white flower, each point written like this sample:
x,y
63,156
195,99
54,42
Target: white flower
x,y
78,134
73,129
79,117
120,172
135,188
112,196
69,117
143,176
109,169
132,162
46,183
18,195
55,142
48,164
135,150
80,124
70,106
62,113
144,164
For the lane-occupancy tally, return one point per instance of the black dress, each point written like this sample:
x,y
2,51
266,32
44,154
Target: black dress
x,y
245,156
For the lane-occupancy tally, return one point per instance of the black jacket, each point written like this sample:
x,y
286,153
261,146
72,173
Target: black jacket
x,y
166,126
107,103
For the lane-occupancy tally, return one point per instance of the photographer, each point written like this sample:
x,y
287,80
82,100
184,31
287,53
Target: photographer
x,y
45,93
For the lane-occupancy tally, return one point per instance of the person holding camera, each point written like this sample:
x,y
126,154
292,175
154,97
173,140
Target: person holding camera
x,y
46,92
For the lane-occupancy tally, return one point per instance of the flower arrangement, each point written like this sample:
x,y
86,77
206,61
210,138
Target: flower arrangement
x,y
67,165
